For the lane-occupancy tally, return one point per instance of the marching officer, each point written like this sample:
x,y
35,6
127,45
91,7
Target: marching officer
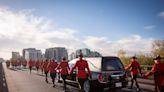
x,y
134,66
81,65
45,69
8,63
158,72
41,66
37,65
52,70
64,68
30,64
24,64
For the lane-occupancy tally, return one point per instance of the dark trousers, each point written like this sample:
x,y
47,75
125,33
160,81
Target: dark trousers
x,y
37,68
81,83
46,73
30,67
159,88
134,78
53,76
64,80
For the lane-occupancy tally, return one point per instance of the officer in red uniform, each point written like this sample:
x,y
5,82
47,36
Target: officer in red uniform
x,y
158,72
30,65
64,68
52,70
41,66
8,63
134,66
81,65
37,65
24,64
45,69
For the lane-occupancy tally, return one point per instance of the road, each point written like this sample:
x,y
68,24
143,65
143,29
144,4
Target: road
x,y
20,80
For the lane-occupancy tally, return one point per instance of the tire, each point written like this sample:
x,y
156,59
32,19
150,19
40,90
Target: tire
x,y
87,86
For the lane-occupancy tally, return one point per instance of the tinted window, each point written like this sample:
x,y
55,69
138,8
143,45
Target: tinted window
x,y
111,64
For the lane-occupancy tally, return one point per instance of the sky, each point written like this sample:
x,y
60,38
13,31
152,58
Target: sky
x,y
105,26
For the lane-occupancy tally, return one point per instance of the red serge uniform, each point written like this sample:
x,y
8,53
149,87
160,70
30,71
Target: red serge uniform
x,y
37,64
52,70
24,63
30,63
64,67
134,67
158,71
41,65
45,64
81,65
52,66
8,63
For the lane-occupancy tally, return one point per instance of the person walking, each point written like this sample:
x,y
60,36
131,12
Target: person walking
x,y
45,69
63,67
81,65
158,72
52,70
30,64
134,66
37,65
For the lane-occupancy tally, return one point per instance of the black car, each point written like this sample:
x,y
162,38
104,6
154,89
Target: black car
x,y
106,72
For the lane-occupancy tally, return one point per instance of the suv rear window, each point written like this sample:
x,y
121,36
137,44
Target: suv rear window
x,y
111,63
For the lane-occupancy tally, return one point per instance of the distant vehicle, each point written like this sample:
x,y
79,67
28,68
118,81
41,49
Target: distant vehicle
x,y
106,72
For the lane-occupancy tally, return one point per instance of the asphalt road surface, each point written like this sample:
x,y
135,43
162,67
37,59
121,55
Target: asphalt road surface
x,y
20,80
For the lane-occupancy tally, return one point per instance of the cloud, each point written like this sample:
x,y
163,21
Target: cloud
x,y
22,29
149,27
132,45
161,14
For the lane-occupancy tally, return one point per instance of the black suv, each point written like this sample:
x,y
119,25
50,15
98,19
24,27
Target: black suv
x,y
107,73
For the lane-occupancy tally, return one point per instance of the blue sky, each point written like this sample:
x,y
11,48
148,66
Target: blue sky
x,y
112,18
109,20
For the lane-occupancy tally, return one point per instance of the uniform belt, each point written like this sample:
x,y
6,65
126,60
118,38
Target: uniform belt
x,y
81,69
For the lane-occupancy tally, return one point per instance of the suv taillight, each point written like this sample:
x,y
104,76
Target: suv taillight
x,y
125,76
100,78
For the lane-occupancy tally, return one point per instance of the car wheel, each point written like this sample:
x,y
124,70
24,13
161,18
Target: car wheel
x,y
87,86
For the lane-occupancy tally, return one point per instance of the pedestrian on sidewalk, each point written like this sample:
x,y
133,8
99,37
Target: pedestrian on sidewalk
x,y
52,70
45,69
134,66
63,67
158,72
81,65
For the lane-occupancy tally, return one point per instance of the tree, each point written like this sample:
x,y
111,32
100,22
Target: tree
x,y
121,53
158,48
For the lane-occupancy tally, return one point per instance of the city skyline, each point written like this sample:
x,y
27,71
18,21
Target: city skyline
x,y
104,26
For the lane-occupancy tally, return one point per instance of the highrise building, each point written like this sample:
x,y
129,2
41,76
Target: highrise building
x,y
27,49
15,55
56,53
86,53
32,53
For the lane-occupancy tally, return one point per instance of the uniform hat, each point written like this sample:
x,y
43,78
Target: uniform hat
x,y
157,57
64,58
80,55
134,57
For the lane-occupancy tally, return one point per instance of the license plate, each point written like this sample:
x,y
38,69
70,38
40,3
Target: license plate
x,y
119,84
